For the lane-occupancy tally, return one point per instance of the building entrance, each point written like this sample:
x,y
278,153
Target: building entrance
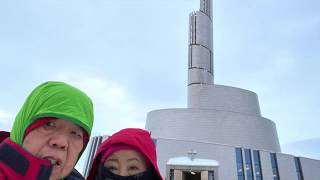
x,y
185,168
187,175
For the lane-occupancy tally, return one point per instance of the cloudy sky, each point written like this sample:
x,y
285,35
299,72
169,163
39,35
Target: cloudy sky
x,y
131,57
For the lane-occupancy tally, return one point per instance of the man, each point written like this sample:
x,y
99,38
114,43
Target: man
x,y
49,134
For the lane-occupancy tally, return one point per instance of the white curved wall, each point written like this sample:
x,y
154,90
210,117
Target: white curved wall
x,y
225,98
215,126
199,76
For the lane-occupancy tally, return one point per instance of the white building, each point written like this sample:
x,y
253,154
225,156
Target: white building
x,y
221,135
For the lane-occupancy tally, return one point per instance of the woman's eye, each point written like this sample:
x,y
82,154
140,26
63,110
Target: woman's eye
x,y
133,168
112,168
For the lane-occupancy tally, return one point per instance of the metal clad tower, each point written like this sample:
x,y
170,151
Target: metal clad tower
x,y
200,63
201,46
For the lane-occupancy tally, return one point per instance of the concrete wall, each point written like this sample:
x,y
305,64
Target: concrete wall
x,y
287,168
310,168
215,126
266,165
224,98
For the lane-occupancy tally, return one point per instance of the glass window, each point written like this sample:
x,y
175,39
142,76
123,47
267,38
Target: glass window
x,y
171,174
239,161
240,169
210,175
248,164
274,166
257,165
239,154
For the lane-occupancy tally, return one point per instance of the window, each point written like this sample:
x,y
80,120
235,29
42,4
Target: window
x,y
210,175
257,165
274,165
211,63
190,57
298,168
248,164
239,160
171,174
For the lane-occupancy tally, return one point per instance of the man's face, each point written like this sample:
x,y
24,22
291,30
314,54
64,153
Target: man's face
x,y
57,140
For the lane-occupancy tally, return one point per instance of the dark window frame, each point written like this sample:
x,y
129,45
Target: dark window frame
x,y
257,165
248,164
274,166
171,174
297,163
239,164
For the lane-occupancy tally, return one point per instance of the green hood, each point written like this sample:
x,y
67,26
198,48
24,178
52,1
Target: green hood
x,y
54,99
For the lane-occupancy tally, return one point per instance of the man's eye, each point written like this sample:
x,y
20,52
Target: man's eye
x,y
50,124
77,134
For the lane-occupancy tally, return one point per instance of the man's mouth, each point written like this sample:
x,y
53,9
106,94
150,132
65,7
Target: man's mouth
x,y
53,161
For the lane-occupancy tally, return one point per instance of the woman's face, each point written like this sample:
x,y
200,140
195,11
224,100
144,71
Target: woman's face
x,y
126,163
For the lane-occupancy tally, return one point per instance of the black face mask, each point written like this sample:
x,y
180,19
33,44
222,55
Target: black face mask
x,y
103,173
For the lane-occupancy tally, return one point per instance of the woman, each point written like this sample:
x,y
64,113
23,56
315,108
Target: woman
x,y
127,155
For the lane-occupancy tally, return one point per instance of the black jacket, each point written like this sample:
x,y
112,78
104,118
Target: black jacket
x,y
74,175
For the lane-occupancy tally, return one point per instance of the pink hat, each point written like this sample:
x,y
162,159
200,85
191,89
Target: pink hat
x,y
139,139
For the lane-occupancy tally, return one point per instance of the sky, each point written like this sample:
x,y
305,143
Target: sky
x,y
131,57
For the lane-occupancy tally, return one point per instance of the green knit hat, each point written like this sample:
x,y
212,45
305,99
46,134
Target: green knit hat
x,y
54,99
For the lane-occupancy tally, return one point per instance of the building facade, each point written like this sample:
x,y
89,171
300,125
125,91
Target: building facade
x,y
221,135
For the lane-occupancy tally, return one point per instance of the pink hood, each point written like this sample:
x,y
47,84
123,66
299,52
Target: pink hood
x,y
135,137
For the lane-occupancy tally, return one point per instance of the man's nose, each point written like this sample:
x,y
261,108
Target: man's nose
x,y
59,140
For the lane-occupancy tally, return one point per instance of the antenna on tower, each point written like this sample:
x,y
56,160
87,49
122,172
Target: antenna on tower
x,y
206,7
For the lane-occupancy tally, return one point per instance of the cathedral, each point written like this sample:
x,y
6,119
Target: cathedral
x,y
221,135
